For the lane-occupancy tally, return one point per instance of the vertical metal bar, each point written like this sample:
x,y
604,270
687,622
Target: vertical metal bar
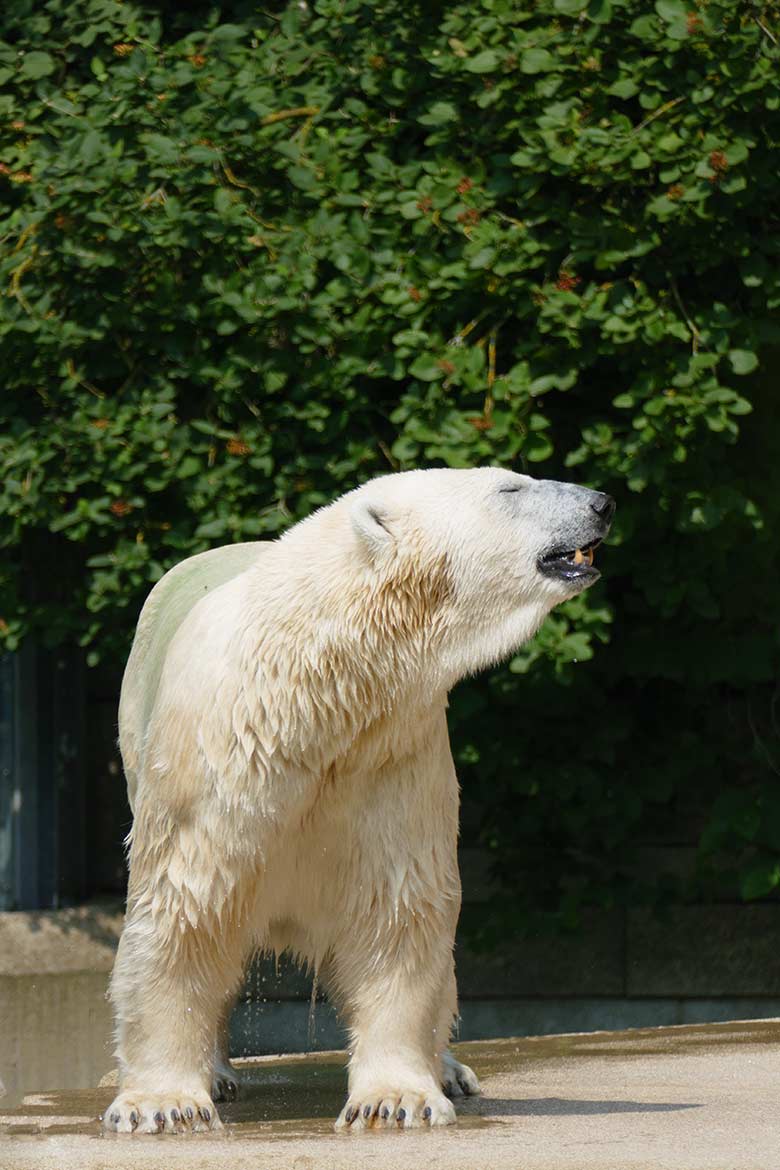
x,y
7,781
42,788
44,731
68,774
26,812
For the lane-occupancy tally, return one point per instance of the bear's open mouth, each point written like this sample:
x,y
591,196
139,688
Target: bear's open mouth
x,y
571,564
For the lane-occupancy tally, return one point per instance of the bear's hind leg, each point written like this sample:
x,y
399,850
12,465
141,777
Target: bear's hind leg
x,y
224,1081
457,1080
170,981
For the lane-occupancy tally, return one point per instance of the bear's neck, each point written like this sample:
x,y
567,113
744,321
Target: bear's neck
x,y
330,659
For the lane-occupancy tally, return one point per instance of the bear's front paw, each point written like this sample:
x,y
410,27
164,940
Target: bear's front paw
x,y
385,1108
457,1080
164,1112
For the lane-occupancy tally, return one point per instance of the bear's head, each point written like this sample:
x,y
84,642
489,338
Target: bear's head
x,y
465,563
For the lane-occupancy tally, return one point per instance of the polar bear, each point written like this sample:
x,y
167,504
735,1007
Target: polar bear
x,y
284,737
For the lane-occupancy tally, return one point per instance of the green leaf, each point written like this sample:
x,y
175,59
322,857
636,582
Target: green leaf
x,y
626,87
483,258
536,61
600,11
161,148
670,143
91,147
439,113
36,64
640,160
644,27
537,447
224,201
302,177
736,153
522,158
743,361
671,10
663,207
426,367
485,62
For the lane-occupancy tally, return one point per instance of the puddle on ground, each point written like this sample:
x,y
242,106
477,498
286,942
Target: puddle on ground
x,y
288,1098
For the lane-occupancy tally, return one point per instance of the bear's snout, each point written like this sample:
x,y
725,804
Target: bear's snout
x,y
568,557
604,507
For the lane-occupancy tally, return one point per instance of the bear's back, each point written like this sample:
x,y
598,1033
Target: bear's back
x,y
166,607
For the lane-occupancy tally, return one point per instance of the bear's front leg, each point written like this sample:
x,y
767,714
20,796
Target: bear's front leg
x,y
390,990
169,983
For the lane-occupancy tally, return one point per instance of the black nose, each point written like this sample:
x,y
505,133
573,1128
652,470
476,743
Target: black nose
x,y
604,507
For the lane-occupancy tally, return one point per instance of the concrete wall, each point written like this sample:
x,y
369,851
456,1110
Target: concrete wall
x,y
634,968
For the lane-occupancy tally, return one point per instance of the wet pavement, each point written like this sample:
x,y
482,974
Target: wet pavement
x,y
687,1098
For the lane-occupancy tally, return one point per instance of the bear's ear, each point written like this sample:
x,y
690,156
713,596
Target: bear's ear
x,y
370,523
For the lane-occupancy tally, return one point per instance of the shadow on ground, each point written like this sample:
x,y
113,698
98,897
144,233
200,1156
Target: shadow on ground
x,y
563,1107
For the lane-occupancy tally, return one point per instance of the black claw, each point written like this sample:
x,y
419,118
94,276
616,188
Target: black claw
x,y
206,1115
426,1113
133,1117
350,1115
175,1115
159,1119
385,1113
188,1113
115,1118
367,1110
401,1114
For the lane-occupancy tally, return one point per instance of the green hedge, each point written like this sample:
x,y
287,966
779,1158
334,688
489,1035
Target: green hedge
x,y
252,256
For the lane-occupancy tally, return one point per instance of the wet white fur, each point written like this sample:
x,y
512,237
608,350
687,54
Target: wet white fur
x,y
283,731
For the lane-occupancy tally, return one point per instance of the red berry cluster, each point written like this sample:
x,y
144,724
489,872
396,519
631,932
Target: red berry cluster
x,y
567,281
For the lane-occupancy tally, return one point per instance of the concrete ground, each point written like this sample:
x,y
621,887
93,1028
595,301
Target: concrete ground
x,y
685,1098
